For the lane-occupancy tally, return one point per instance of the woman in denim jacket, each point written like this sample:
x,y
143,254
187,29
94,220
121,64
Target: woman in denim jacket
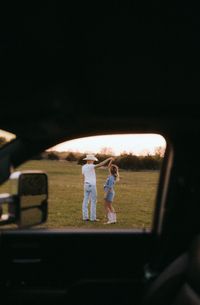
x,y
109,193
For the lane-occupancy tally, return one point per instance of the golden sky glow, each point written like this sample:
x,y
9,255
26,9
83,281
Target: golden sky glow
x,y
134,143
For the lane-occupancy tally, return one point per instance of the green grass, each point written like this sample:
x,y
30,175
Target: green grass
x,y
134,196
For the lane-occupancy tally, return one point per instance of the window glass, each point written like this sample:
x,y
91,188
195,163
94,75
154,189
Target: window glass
x,y
118,197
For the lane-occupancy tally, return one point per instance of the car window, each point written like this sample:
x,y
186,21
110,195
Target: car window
x,y
119,194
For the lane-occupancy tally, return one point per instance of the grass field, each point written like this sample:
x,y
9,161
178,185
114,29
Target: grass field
x,y
134,199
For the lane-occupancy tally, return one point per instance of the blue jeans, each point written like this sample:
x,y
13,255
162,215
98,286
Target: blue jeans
x,y
90,194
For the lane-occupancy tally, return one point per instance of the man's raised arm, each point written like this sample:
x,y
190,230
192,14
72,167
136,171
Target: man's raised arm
x,y
103,162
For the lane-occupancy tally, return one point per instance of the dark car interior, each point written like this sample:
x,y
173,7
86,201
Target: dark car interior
x,y
79,69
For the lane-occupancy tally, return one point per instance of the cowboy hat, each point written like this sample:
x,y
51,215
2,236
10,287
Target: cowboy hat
x,y
91,158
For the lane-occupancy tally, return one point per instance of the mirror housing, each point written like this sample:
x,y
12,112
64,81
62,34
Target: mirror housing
x,y
27,203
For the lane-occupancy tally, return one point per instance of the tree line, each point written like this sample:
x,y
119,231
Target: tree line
x,y
127,161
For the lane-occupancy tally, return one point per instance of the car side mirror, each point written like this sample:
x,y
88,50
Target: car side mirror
x,y
27,203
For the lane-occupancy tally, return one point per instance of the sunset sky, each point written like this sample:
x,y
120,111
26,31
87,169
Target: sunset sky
x,y
135,143
139,144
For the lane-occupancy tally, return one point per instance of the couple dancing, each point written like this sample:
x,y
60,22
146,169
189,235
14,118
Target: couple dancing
x,y
90,191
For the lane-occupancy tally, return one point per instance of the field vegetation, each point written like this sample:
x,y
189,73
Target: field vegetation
x,y
134,200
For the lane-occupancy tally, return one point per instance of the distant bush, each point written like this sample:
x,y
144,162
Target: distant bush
x,y
80,160
150,162
71,157
129,162
52,156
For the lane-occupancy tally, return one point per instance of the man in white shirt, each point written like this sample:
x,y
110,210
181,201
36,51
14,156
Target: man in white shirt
x,y
90,191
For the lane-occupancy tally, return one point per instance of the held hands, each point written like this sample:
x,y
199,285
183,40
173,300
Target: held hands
x,y
111,160
105,162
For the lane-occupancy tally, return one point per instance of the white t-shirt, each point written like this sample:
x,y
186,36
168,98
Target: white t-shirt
x,y
89,173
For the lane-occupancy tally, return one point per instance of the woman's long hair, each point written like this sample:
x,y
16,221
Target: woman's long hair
x,y
114,170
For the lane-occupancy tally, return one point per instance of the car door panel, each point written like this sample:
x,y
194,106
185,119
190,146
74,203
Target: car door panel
x,y
66,266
